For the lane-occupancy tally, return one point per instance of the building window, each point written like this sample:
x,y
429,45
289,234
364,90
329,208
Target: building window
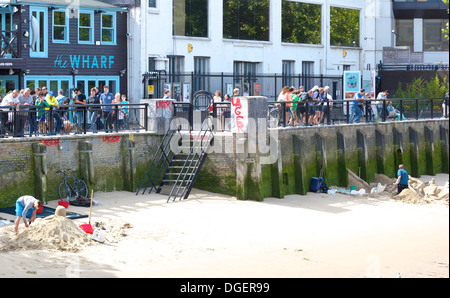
x,y
405,33
152,3
190,18
86,27
60,26
288,72
308,74
246,19
176,67
108,28
344,27
201,69
39,32
433,37
301,22
244,76
53,83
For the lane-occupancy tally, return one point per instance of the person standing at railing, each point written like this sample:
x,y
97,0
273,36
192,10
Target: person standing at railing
x,y
369,108
80,100
124,110
93,99
378,111
354,109
25,100
40,101
53,102
107,98
445,106
11,100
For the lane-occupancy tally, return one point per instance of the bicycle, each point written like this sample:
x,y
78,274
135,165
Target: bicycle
x,y
65,189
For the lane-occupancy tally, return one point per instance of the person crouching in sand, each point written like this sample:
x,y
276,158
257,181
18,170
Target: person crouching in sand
x,y
26,206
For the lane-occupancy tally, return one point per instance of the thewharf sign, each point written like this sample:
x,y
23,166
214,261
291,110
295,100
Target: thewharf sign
x,y
84,62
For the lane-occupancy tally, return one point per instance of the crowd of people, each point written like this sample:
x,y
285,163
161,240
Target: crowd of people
x,y
33,106
313,107
310,107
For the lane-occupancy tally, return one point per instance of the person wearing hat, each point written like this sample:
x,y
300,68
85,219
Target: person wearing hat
x,y
354,109
26,206
53,102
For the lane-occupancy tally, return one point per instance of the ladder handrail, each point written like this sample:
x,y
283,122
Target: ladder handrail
x,y
191,154
161,150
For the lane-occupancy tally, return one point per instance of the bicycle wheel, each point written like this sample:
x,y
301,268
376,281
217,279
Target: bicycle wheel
x,y
64,191
81,188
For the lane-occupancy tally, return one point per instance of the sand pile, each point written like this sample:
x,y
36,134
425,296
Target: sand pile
x,y
58,233
354,180
417,193
51,233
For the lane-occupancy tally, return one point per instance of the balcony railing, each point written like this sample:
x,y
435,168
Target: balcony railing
x,y
9,44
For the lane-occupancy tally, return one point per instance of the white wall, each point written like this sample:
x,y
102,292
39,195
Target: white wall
x,y
153,37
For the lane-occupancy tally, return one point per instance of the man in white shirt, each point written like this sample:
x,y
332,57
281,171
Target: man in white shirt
x,y
11,100
378,108
26,206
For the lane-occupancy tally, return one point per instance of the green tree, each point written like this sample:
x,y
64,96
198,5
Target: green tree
x,y
190,18
301,22
246,19
344,27
446,31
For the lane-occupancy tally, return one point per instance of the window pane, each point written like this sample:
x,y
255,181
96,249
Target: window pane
x,y
58,33
59,18
107,35
54,87
152,3
31,85
344,27
190,18
84,34
65,87
85,20
301,22
246,19
107,21
433,37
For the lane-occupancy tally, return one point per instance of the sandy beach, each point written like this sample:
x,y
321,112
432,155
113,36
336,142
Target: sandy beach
x,y
216,236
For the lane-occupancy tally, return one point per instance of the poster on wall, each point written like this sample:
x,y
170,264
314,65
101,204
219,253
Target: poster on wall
x,y
257,89
368,82
229,88
186,92
352,85
246,91
176,94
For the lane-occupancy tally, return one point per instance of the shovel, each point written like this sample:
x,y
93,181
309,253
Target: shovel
x,y
88,228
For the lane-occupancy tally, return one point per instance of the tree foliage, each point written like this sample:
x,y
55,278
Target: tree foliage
x,y
301,22
246,19
190,18
446,31
344,27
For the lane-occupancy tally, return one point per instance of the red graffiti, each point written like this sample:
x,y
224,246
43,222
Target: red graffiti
x,y
51,143
237,111
163,105
111,139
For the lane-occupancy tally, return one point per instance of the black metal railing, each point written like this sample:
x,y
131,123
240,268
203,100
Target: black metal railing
x,y
72,119
325,112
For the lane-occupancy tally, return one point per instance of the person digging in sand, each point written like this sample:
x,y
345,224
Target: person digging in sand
x,y
402,180
26,206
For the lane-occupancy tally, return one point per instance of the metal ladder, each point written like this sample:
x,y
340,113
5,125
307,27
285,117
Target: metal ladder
x,y
178,170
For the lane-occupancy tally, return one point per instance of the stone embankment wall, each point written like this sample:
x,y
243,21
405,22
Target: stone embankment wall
x,y
236,164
